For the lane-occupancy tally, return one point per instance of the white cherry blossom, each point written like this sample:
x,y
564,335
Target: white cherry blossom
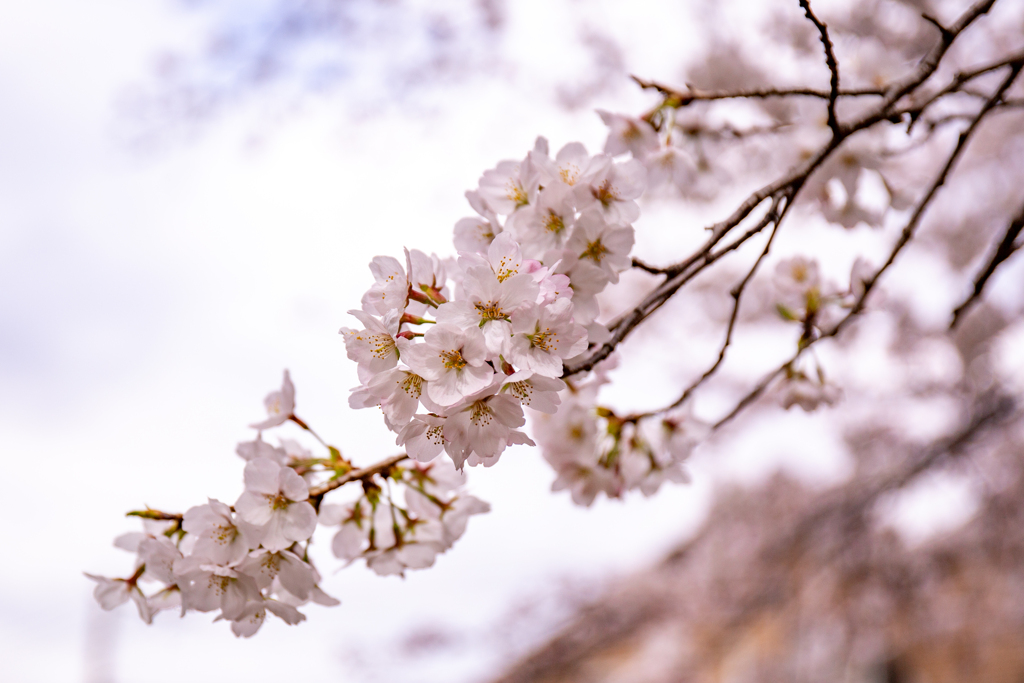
x,y
611,188
354,534
219,536
628,134
669,165
483,426
274,500
474,235
252,616
111,593
510,185
453,361
159,555
398,392
606,246
258,448
547,223
488,304
374,348
534,391
280,405
390,290
206,586
264,566
545,335
423,437
568,165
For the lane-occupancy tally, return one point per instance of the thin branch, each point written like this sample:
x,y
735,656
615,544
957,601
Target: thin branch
x,y
317,493
946,33
915,219
295,418
905,236
955,86
682,99
661,294
1005,250
653,270
833,67
736,293
925,68
149,513
789,186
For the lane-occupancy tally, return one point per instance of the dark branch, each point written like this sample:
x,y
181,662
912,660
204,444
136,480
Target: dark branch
x,y
681,99
149,513
833,67
653,270
678,276
946,33
925,68
737,295
1004,251
905,237
317,493
940,180
788,187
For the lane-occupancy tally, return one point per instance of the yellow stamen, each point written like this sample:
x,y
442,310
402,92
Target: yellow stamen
x,y
452,360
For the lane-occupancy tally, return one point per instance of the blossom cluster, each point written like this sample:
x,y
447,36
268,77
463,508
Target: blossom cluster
x,y
252,558
452,351
804,297
596,451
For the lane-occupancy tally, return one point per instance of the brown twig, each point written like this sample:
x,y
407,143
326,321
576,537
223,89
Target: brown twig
x,y
833,67
665,291
925,68
653,270
736,293
317,493
1004,251
682,272
149,513
905,236
681,99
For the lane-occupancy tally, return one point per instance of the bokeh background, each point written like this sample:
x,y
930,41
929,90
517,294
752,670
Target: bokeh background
x,y
190,193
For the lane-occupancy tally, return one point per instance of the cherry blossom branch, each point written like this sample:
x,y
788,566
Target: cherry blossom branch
x,y
728,131
677,278
317,493
905,236
940,180
681,99
736,293
833,67
925,68
1004,251
891,94
680,273
295,418
643,265
150,513
956,86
